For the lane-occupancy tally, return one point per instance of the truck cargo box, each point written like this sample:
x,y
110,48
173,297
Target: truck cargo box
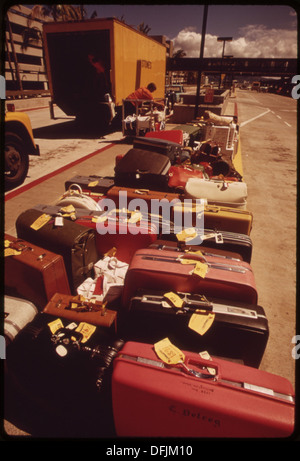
x,y
87,60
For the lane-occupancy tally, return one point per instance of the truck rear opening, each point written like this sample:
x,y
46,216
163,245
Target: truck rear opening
x,y
80,67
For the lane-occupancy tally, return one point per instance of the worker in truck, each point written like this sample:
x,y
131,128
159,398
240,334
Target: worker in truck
x,y
144,93
98,76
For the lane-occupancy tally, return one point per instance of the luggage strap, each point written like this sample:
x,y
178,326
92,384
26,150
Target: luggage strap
x,y
220,266
201,303
251,388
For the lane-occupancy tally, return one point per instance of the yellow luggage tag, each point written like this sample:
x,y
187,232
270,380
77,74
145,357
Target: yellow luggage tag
x,y
135,217
93,183
201,321
174,299
200,269
112,252
55,325
187,234
86,330
68,209
10,251
169,353
102,218
40,221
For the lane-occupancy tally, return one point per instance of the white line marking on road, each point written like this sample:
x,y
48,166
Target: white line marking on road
x,y
278,116
288,124
254,118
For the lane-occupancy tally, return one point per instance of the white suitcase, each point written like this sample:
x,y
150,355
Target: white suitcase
x,y
74,196
217,192
18,313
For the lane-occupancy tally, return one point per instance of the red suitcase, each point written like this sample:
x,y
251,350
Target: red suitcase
x,y
178,175
168,135
163,270
200,398
33,273
117,233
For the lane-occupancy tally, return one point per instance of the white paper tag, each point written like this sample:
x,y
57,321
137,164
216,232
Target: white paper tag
x,y
59,221
219,238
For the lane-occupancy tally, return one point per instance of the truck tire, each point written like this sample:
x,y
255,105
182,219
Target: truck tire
x,y
16,161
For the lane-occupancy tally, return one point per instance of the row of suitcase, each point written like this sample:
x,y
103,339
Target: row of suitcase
x,y
80,381
146,396
159,164
235,327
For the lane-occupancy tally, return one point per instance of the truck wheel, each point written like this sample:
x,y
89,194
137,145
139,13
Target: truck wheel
x,y
16,161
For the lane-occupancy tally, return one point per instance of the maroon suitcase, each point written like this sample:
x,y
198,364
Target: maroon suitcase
x,y
199,398
164,270
116,233
35,274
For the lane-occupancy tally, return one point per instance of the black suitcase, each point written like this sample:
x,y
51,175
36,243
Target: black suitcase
x,y
75,243
92,183
172,150
64,375
143,169
56,210
228,241
238,331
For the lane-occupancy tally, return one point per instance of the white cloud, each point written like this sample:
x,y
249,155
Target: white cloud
x,y
255,41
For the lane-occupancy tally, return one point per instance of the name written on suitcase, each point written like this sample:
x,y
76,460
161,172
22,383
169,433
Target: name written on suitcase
x,y
192,414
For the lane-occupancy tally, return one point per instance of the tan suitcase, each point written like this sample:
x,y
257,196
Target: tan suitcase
x,y
219,217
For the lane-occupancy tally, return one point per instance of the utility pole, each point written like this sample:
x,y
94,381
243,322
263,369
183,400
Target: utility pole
x,y
201,58
224,40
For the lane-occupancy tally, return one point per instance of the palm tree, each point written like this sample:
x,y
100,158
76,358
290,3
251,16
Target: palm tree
x,y
144,28
31,35
58,12
179,54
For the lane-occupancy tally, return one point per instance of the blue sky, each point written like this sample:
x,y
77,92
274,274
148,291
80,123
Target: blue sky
x,y
257,31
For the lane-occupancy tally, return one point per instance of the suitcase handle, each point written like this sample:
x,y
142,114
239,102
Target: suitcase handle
x,y
20,245
210,367
71,188
193,256
138,171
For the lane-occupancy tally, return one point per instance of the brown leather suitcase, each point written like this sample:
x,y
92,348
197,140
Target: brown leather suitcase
x,y
77,309
32,272
123,195
75,243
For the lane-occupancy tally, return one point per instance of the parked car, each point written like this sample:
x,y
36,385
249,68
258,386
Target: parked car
x,y
255,86
19,144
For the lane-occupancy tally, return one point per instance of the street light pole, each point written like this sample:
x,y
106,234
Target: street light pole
x,y
224,40
201,59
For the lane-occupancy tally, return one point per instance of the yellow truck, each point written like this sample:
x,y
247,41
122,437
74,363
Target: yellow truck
x,y
19,144
93,65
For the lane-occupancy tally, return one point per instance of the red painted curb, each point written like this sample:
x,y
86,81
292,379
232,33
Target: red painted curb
x,y
34,183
